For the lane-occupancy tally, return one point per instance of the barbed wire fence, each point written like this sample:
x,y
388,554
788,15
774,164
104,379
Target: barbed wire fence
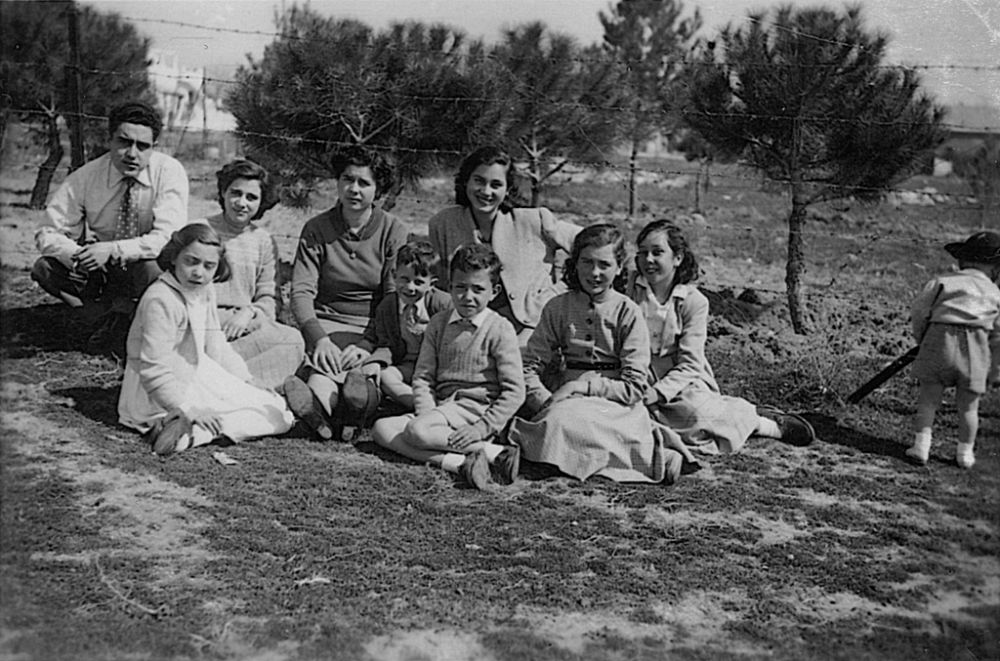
x,y
616,171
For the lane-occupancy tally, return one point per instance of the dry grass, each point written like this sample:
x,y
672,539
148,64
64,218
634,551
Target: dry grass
x,y
309,551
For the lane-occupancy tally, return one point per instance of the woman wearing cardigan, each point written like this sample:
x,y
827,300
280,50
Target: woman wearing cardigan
x,y
525,239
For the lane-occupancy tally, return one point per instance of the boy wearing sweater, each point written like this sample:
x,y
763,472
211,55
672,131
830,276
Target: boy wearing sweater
x,y
467,384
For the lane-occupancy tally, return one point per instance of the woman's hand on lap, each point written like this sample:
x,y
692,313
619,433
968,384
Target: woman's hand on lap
x,y
238,324
352,357
463,437
209,421
327,356
573,388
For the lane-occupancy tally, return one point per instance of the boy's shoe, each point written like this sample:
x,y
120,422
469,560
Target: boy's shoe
x,y
919,452
166,433
306,407
505,467
359,398
476,470
795,430
964,456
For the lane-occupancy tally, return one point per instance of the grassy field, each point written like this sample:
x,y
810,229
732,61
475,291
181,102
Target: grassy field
x,y
335,551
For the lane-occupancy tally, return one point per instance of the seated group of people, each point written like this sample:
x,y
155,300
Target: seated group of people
x,y
485,344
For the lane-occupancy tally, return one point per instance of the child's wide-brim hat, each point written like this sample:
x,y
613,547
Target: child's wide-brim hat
x,y
981,247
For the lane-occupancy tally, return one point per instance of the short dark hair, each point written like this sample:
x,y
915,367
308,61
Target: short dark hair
x,y
420,256
599,235
687,271
135,112
185,236
363,157
487,155
475,257
244,169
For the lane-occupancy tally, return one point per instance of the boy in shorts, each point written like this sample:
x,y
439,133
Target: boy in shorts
x,y
467,384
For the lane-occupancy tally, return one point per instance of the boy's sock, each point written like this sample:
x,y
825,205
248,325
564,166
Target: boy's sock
x,y
964,456
767,428
921,449
452,462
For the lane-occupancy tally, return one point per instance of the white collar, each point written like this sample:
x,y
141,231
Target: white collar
x,y
476,320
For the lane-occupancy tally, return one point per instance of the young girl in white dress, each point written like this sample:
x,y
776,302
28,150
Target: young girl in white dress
x,y
594,422
184,385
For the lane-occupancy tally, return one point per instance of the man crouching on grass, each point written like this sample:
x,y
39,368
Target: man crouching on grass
x,y
107,222
467,384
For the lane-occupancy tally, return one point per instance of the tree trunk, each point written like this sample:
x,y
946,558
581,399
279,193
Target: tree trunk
x,y
631,178
536,180
40,193
796,266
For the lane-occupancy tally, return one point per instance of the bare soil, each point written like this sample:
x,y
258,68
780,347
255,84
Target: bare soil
x,y
331,551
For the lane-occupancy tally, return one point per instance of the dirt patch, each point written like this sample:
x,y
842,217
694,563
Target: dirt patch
x,y
144,517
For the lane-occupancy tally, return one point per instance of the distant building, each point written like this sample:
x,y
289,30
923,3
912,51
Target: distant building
x,y
969,129
180,94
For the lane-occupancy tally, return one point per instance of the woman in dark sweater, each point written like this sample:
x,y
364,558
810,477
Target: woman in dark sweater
x,y
343,268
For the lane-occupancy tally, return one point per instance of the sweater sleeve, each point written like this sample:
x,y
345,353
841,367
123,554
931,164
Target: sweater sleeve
x,y
557,233
305,285
504,349
690,347
426,368
541,349
994,340
633,343
920,311
160,318
264,294
219,349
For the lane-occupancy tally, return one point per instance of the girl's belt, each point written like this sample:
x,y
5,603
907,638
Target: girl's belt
x,y
580,365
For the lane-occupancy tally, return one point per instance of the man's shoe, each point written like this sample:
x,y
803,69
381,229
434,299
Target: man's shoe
x,y
306,407
505,467
476,470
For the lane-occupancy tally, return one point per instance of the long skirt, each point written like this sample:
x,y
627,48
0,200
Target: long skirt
x,y
272,352
707,421
587,436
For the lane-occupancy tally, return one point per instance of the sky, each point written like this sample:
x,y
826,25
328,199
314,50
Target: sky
x,y
942,33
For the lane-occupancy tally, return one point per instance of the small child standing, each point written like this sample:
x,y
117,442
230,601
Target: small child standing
x,y
467,384
184,384
956,319
392,339
594,423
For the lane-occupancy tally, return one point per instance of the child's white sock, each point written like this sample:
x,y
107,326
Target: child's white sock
x,y
452,461
921,448
767,428
964,456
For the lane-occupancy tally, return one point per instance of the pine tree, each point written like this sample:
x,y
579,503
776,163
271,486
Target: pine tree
x,y
35,52
556,103
804,95
326,83
651,40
